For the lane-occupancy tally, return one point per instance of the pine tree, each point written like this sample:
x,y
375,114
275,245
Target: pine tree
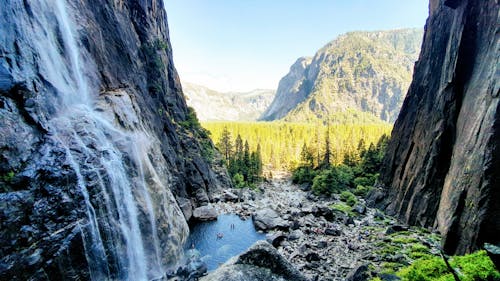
x,y
326,159
225,144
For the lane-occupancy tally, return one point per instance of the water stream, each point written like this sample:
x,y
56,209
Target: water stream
x,y
121,186
235,240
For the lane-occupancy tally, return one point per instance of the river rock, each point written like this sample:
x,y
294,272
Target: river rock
x,y
228,196
360,273
260,262
276,238
205,213
267,219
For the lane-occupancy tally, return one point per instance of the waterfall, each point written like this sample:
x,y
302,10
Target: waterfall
x,y
123,191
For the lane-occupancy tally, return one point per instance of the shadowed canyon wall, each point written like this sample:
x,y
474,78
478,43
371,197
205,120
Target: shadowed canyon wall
x,y
442,166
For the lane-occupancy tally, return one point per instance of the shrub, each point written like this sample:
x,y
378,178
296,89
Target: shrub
x,y
239,181
472,267
348,197
303,174
362,190
333,180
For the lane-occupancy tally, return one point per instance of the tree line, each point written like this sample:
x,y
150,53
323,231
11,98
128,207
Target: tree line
x,y
244,166
281,144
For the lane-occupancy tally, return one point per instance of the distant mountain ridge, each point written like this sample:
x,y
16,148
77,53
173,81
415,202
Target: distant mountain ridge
x,y
211,105
358,76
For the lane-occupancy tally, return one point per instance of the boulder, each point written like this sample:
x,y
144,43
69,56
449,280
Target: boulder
x,y
494,253
360,273
276,238
186,207
230,197
260,262
359,208
395,228
205,213
267,219
313,256
333,232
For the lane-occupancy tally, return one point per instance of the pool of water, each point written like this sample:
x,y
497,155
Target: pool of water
x,y
215,251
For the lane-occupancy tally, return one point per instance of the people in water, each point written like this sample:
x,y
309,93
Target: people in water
x,y
220,235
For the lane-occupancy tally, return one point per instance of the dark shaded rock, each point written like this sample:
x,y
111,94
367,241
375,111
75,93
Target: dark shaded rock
x,y
494,253
312,256
6,80
205,213
333,231
295,224
323,211
375,198
360,273
349,220
260,262
442,162
395,228
276,238
322,244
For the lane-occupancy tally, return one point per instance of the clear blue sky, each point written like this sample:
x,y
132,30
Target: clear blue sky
x,y
248,44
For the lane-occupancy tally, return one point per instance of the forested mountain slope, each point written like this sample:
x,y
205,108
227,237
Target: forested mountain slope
x,y
360,76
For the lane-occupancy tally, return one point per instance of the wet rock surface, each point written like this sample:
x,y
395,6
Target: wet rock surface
x,y
98,154
325,243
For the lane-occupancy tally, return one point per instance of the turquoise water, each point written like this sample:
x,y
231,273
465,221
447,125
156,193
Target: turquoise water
x,y
214,251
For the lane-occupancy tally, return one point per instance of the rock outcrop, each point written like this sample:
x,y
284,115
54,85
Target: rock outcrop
x,y
358,77
97,144
260,262
442,167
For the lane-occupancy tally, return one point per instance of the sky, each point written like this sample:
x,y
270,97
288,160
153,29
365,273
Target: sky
x,y
240,45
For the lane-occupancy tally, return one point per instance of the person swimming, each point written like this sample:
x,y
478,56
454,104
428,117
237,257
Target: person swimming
x,y
220,235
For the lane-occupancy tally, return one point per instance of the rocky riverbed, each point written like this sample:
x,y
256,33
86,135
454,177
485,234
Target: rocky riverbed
x,y
324,238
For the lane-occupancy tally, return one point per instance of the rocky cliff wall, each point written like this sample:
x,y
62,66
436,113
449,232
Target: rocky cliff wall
x,y
98,151
442,166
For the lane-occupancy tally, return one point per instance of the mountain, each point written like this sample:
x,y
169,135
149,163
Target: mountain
x,y
211,105
442,165
358,76
101,160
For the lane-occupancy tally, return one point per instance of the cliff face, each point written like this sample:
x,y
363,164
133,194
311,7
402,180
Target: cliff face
x,y
98,151
211,105
359,76
442,167
292,90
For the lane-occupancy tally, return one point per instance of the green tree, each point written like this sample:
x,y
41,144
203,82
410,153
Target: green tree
x,y
306,156
225,144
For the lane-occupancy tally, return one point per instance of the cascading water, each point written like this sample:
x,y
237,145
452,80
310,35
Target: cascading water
x,y
123,192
